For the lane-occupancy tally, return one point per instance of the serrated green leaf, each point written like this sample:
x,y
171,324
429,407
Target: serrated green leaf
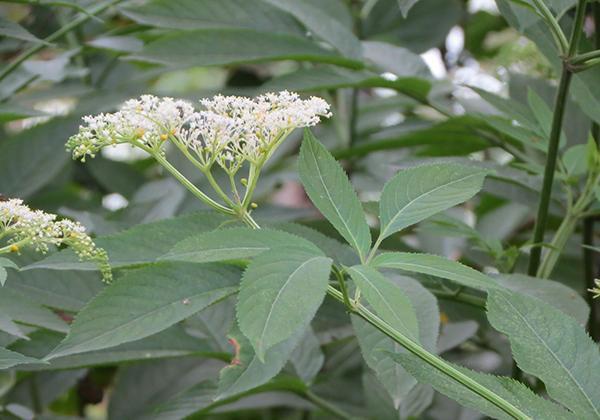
x,y
232,244
512,391
217,47
376,346
10,358
247,371
552,346
124,249
437,266
279,294
552,292
417,193
145,302
328,187
387,300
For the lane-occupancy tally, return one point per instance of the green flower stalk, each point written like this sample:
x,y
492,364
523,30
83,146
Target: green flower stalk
x,y
22,227
229,133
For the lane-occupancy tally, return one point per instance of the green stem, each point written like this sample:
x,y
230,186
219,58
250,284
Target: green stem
x,y
325,405
9,248
7,70
475,301
582,58
557,33
189,185
542,213
431,359
562,235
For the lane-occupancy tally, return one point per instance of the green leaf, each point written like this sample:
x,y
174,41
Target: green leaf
x,y
172,342
12,29
20,308
140,388
397,60
32,158
145,302
406,5
10,358
233,244
376,347
552,346
324,26
551,292
247,371
308,358
124,249
437,266
68,291
575,159
387,299
279,294
512,391
331,77
10,112
217,47
329,189
3,275
417,193
206,14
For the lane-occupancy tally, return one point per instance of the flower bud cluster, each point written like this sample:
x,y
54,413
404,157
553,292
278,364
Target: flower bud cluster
x,y
25,227
229,130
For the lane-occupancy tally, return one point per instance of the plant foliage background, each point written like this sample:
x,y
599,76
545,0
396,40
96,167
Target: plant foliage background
x,y
411,292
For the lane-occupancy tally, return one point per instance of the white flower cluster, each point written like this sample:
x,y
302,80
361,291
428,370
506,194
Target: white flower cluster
x,y
26,227
229,130
148,121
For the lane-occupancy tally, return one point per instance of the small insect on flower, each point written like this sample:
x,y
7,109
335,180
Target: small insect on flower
x,y
23,227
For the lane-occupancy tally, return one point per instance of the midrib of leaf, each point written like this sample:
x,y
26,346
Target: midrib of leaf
x,y
212,250
262,335
573,379
228,290
360,254
393,219
384,300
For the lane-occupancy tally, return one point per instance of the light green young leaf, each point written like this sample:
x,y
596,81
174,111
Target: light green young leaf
x,y
145,302
576,160
232,244
435,265
329,189
216,47
512,391
247,371
376,347
10,358
387,300
552,346
417,193
279,294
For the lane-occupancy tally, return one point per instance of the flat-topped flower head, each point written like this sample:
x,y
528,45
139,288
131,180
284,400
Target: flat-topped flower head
x,y
148,121
22,227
